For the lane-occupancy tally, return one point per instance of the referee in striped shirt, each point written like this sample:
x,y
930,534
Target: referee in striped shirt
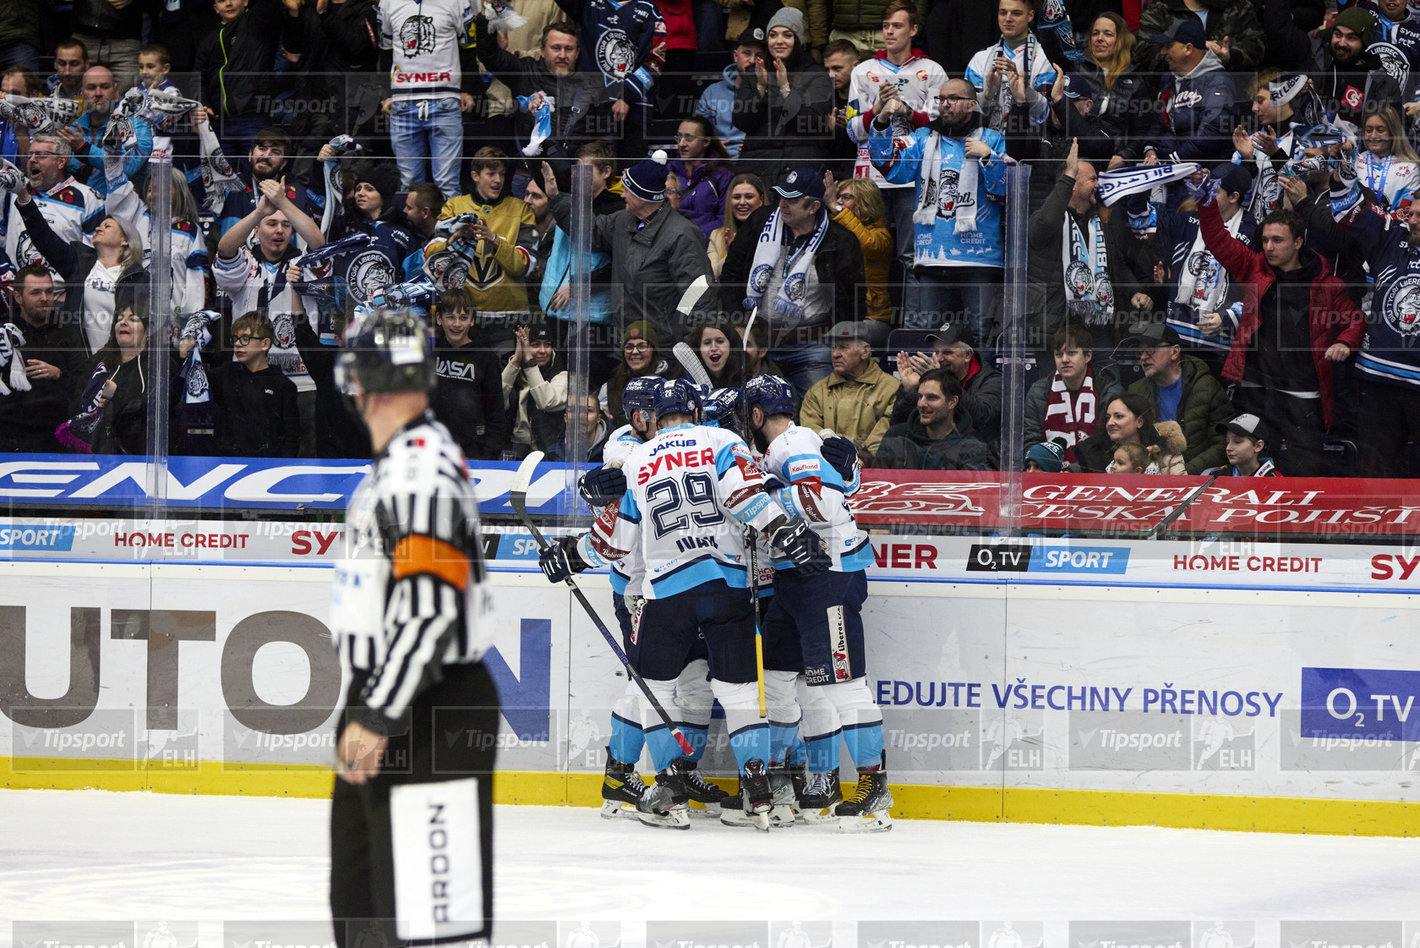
x,y
412,816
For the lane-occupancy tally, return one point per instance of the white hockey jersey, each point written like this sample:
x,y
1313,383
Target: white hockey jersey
x,y
917,81
627,571
813,491
690,491
250,283
425,36
73,211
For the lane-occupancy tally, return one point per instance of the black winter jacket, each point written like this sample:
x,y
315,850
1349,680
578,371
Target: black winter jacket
x,y
838,262
235,59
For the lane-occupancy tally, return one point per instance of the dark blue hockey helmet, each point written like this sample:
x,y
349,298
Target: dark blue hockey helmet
x,y
385,351
773,395
722,407
640,394
677,395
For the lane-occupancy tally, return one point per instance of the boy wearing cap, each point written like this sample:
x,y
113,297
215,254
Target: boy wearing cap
x,y
802,271
857,397
1247,437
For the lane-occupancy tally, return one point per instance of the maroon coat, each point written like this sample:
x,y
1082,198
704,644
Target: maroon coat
x,y
1332,316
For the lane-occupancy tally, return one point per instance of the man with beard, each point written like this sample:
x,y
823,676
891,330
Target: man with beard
x,y
72,209
931,439
268,160
54,362
958,169
551,93
1342,72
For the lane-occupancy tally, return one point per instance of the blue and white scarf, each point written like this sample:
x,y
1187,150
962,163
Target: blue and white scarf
x,y
1140,178
542,123
788,305
1084,260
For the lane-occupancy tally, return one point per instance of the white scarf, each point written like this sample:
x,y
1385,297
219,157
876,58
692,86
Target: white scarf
x,y
788,303
929,197
1201,285
1084,261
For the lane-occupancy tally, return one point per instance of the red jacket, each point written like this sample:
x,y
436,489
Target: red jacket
x,y
1332,317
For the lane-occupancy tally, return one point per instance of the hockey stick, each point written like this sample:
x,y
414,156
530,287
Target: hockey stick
x,y
1177,512
691,363
692,295
751,542
518,497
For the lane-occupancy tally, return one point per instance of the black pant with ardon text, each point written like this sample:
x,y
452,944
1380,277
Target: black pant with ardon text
x,y
411,851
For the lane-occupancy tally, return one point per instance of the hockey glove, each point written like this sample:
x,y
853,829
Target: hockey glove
x,y
842,456
799,544
605,485
560,560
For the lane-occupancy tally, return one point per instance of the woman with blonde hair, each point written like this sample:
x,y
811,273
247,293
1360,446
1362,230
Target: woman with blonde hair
x,y
1121,94
859,207
747,193
1387,163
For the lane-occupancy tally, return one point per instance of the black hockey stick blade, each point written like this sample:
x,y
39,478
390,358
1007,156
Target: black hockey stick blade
x,y
1178,511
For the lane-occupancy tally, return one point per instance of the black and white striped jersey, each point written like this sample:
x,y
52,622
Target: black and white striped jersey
x,y
409,593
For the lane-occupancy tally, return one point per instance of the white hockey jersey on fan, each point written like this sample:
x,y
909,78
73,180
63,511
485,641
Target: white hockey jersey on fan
x,y
815,492
425,36
689,490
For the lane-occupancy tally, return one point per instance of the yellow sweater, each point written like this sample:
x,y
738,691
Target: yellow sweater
x,y
877,257
495,275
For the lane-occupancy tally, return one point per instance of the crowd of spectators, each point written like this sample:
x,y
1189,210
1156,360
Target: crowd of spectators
x,y
1208,203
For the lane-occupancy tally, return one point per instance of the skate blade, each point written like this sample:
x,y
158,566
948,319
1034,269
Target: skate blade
x,y
760,821
781,816
678,819
822,815
616,809
879,822
704,811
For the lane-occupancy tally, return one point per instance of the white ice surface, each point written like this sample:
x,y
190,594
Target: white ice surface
x,y
99,855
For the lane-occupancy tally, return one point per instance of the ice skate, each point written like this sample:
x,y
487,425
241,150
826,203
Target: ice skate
x,y
622,789
706,799
756,799
783,805
817,801
867,810
666,805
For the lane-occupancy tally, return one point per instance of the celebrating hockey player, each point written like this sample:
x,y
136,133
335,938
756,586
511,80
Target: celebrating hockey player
x,y
409,620
819,615
623,791
689,491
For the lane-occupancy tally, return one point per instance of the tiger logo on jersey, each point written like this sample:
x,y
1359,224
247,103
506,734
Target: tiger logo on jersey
x,y
615,53
368,273
416,36
1400,306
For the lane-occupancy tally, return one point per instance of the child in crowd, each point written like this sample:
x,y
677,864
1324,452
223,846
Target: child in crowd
x,y
468,388
1046,457
154,64
1133,459
1247,436
256,403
